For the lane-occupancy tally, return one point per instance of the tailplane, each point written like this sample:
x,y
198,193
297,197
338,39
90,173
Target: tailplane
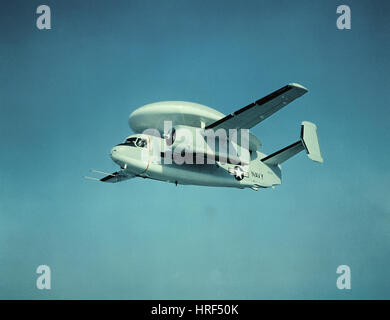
x,y
308,142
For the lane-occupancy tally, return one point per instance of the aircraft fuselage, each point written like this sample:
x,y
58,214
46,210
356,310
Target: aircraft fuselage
x,y
143,162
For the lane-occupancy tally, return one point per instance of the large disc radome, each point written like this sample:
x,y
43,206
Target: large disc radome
x,y
152,116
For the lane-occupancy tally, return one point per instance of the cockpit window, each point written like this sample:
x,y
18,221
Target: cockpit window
x,y
131,141
142,143
135,142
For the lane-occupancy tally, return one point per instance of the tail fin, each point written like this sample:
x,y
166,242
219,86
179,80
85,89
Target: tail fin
x,y
308,142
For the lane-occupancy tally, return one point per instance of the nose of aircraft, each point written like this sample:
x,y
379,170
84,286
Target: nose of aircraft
x,y
112,153
130,158
117,155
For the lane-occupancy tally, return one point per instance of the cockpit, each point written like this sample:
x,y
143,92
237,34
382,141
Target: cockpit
x,y
135,142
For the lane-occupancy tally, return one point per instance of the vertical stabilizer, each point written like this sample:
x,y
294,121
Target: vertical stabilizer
x,y
309,140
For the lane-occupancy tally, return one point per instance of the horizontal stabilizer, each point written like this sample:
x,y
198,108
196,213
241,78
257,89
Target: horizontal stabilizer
x,y
283,154
308,142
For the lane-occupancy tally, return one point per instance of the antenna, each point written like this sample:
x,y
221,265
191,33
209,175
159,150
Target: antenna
x,y
91,178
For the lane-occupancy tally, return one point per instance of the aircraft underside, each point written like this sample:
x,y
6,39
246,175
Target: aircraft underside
x,y
211,175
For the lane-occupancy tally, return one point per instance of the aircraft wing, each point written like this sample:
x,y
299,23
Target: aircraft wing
x,y
249,116
117,176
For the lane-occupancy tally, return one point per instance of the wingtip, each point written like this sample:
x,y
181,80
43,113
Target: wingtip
x,y
297,85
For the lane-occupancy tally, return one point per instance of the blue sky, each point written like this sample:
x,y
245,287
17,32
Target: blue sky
x,y
65,97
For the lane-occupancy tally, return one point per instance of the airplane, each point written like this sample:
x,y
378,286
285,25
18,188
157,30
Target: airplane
x,y
137,156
